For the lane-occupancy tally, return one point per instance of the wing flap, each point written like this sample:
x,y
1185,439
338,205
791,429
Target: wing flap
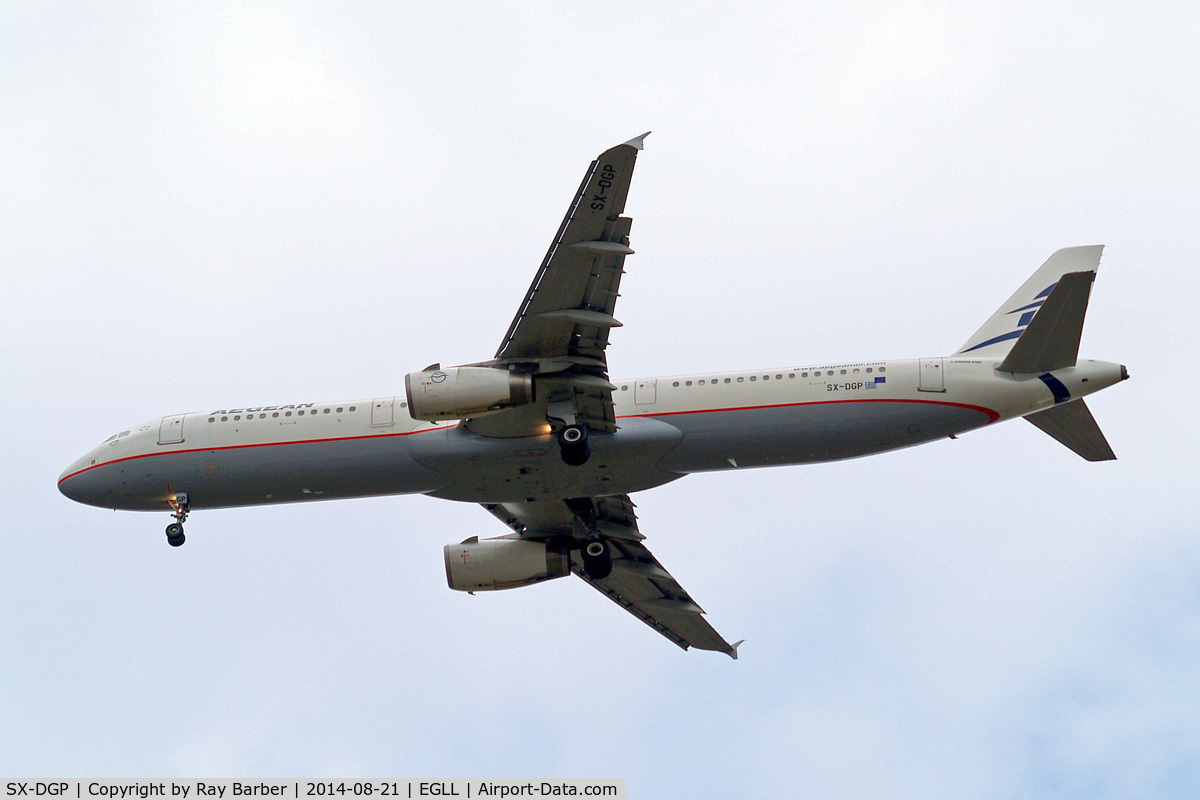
x,y
641,586
581,271
638,582
562,326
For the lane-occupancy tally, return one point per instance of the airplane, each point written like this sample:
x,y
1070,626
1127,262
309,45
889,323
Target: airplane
x,y
542,438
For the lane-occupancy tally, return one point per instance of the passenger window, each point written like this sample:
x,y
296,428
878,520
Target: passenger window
x,y
274,413
753,377
675,384
339,410
327,410
868,369
741,379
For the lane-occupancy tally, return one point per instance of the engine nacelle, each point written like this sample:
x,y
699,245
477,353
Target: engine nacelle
x,y
458,392
503,563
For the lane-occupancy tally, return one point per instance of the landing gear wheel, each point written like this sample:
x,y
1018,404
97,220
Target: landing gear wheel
x,y
573,445
597,548
597,559
178,501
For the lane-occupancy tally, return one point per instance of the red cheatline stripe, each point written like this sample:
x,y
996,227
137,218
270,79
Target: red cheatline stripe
x,y
992,417
245,446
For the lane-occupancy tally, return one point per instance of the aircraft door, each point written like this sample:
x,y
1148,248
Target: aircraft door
x,y
170,431
932,379
645,391
381,412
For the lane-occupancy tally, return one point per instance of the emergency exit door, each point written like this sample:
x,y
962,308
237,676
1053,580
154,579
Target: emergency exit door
x,y
645,391
381,411
170,430
932,379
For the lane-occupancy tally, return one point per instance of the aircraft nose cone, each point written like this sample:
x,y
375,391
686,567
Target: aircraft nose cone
x,y
1124,373
75,483
69,485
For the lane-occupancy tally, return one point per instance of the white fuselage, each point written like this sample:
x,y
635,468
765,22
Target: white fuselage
x,y
668,427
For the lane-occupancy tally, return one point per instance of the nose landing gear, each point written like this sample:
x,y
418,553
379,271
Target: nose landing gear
x,y
178,502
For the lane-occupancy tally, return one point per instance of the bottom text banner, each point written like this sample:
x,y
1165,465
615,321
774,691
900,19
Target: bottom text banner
x,y
311,790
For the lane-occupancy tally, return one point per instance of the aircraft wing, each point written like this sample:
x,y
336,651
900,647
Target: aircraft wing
x,y
561,328
638,582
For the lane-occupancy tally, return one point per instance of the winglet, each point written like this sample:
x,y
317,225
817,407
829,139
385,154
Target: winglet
x,y
638,142
733,648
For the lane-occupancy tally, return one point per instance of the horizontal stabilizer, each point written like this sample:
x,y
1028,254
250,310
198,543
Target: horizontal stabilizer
x,y
1051,340
1073,425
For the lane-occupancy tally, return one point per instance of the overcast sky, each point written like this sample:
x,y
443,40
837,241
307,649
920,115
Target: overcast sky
x,y
215,204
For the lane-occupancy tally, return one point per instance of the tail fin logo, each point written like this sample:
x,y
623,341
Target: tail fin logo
x,y
1027,313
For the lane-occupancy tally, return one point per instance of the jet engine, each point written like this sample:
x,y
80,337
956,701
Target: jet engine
x,y
503,563
457,392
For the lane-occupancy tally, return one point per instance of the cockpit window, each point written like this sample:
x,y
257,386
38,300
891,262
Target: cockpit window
x,y
112,438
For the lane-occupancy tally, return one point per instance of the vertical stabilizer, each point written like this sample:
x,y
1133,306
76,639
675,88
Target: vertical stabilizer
x,y
1007,326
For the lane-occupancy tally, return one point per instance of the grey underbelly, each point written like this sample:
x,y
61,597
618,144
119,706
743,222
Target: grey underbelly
x,y
810,433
